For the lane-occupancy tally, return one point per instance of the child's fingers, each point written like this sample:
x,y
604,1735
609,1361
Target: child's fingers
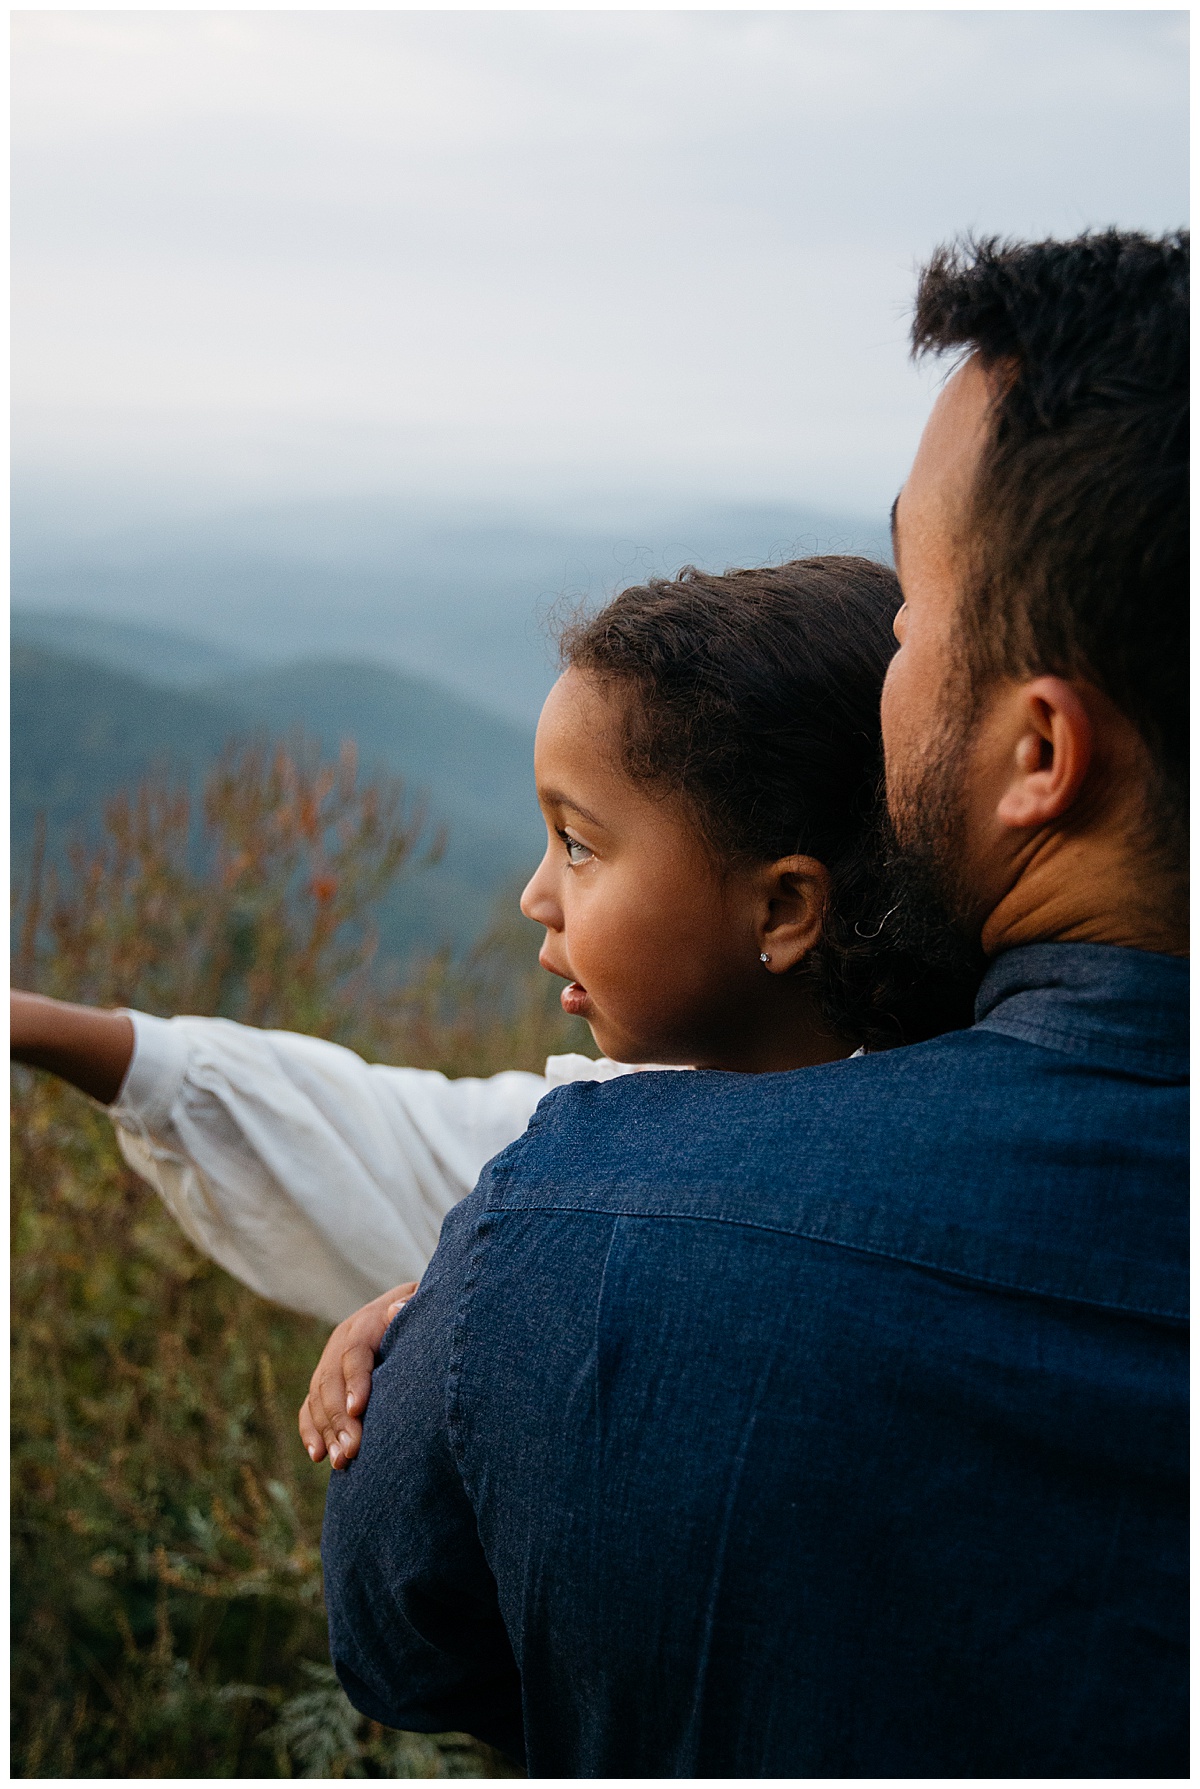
x,y
357,1363
343,1449
323,1417
341,1385
340,1431
310,1435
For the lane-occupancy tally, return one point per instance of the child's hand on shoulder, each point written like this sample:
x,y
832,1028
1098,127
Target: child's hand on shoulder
x,y
331,1414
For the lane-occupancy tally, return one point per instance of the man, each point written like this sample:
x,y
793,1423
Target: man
x,y
833,1423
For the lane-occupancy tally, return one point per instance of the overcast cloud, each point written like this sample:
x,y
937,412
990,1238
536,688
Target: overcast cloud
x,y
532,256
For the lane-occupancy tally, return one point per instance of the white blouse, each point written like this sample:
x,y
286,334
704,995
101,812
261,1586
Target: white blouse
x,y
317,1179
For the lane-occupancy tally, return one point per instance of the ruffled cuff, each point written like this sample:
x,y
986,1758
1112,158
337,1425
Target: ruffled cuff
x,y
155,1073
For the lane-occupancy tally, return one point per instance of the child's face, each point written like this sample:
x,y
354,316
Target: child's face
x,y
660,949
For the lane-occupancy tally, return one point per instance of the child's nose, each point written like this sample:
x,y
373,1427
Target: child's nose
x,y
538,901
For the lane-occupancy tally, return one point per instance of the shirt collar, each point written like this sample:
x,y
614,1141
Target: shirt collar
x,y
1103,1004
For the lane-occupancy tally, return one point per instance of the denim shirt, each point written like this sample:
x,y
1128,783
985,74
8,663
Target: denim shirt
x,y
829,1423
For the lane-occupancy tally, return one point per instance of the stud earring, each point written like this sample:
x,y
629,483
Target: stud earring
x,y
763,957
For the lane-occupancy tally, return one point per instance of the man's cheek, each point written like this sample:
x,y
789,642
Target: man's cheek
x,y
891,708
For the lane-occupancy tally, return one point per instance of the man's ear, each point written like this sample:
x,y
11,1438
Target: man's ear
x,y
1053,743
796,891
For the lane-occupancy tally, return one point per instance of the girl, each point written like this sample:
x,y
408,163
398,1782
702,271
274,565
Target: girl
x,y
708,767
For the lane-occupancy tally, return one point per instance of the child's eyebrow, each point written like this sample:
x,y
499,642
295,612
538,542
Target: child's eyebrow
x,y
554,798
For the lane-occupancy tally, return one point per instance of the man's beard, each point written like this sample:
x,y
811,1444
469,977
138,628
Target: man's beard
x,y
931,913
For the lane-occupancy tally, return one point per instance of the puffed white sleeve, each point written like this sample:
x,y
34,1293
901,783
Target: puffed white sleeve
x,y
317,1179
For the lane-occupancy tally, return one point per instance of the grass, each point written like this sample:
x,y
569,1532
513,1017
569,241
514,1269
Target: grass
x,y
167,1606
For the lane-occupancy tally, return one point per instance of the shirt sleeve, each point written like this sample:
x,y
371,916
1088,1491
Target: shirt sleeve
x,y
317,1179
415,1626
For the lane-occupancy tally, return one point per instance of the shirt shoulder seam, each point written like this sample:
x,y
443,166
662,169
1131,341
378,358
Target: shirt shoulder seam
x,y
859,1248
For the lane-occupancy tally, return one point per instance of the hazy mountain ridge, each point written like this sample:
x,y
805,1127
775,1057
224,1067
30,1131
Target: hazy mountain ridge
x,y
424,635
161,655
463,600
81,729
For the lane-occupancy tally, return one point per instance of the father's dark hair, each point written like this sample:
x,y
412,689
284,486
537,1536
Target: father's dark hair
x,y
1077,556
753,696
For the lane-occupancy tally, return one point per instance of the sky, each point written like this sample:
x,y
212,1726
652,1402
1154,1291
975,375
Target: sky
x,y
534,260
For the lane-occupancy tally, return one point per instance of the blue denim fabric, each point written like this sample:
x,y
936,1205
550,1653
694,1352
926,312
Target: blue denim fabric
x,y
821,1424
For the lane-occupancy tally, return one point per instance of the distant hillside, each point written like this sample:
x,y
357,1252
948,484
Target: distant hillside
x,y
474,769
476,766
81,729
455,597
158,653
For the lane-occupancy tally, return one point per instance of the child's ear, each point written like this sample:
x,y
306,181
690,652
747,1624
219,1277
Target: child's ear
x,y
795,893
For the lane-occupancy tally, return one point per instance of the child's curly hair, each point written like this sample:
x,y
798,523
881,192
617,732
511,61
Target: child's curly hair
x,y
754,697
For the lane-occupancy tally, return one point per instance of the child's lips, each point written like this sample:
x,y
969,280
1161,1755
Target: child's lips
x,y
574,998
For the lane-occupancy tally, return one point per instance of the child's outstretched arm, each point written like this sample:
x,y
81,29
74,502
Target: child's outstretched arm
x,y
314,1177
90,1048
331,1414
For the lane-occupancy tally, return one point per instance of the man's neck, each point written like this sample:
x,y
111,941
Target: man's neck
x,y
1089,890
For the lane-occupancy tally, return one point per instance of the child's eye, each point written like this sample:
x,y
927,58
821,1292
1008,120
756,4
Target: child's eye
x,y
577,851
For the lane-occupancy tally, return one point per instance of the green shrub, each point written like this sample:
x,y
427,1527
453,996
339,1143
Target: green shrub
x,y
167,1608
